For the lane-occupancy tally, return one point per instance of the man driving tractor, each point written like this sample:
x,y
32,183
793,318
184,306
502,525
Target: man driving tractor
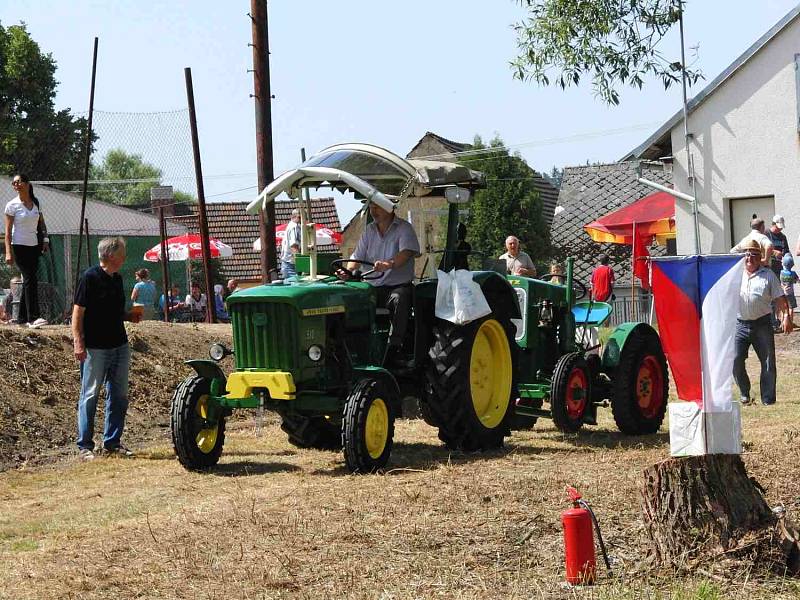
x,y
392,245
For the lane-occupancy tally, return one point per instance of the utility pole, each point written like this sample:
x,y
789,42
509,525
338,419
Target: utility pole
x,y
263,103
688,137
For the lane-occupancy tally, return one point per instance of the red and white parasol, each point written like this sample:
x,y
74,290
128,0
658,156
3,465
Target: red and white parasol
x,y
325,236
188,247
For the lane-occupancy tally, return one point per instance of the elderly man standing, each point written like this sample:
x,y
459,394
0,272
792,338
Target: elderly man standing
x,y
517,262
757,233
101,346
760,288
290,245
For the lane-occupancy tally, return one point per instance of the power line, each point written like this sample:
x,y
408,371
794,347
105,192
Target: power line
x,y
544,142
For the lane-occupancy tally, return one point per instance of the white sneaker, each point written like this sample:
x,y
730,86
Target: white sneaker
x,y
38,323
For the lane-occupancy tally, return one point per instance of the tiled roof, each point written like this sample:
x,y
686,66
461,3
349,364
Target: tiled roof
x,y
433,146
62,213
229,223
589,192
436,147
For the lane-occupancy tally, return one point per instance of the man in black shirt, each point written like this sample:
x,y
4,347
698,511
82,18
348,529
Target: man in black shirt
x,y
780,245
101,346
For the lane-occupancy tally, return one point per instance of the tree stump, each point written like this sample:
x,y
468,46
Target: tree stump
x,y
704,507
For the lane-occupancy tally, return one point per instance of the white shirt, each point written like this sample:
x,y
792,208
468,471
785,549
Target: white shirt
x,y
196,304
290,237
374,246
23,232
757,292
763,241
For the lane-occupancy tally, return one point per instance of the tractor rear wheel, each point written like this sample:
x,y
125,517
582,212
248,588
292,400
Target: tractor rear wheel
x,y
198,443
368,426
571,392
319,433
470,382
641,384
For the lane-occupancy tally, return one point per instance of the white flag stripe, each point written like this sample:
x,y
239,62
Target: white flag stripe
x,y
717,340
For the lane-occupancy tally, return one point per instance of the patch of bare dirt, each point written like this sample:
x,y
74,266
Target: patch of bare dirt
x,y
40,385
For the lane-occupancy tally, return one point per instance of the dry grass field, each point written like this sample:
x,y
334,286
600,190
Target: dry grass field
x,y
277,522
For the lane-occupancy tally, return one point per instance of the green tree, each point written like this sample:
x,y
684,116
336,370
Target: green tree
x,y
510,204
616,43
119,165
34,138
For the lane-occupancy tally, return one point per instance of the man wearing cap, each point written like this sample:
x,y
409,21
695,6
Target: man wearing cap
x,y
757,233
290,245
760,288
780,245
392,245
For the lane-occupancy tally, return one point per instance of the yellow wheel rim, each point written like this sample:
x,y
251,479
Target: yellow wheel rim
x,y
377,428
205,439
490,374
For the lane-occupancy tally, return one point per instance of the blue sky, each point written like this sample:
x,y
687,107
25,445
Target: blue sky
x,y
359,70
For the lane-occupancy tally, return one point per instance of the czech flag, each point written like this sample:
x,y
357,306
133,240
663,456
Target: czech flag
x,y
696,301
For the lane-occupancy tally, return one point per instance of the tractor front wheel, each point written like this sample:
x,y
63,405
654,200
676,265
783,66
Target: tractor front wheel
x,y
368,426
470,382
641,384
571,392
198,442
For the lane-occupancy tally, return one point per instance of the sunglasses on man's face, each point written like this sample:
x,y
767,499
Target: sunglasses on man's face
x,y
752,254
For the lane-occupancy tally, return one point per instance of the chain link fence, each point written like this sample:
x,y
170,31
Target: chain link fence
x,y
132,153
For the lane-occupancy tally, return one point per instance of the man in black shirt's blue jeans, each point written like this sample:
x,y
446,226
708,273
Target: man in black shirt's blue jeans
x,y
101,346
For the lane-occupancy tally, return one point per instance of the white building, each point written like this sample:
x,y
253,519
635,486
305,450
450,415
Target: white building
x,y
745,128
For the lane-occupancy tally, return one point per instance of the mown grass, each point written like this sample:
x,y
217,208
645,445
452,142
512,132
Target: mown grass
x,y
277,522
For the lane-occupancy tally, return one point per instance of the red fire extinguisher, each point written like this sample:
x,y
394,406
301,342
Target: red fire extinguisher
x,y
579,541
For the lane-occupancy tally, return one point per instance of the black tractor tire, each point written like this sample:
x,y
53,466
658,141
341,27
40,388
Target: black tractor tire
x,y
196,447
641,384
470,419
571,392
368,426
318,433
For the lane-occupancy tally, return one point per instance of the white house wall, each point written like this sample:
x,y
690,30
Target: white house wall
x,y
746,144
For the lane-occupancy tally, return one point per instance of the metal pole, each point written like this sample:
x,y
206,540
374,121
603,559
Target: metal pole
x,y
88,242
162,229
86,163
211,313
687,140
263,105
633,271
308,239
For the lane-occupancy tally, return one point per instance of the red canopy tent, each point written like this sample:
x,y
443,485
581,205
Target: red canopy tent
x,y
653,216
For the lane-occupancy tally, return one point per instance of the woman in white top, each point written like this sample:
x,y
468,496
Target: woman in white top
x,y
23,221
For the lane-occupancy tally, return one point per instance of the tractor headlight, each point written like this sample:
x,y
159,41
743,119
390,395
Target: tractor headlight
x,y
315,353
218,351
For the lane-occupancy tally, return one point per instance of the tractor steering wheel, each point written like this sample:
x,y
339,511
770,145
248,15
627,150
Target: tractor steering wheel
x,y
578,288
338,266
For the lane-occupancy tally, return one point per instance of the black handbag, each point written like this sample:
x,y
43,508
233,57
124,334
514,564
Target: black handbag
x,y
41,228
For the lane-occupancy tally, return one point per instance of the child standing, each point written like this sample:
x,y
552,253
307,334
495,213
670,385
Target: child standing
x,y
788,279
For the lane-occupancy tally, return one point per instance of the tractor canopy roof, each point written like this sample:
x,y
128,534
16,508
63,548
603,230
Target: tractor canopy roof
x,y
371,173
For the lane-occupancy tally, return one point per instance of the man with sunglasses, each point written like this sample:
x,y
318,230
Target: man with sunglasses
x,y
760,288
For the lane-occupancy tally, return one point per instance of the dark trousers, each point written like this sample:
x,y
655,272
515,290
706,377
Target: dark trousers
x,y
27,260
397,299
759,334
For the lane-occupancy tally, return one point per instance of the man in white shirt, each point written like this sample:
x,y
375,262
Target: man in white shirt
x,y
392,245
290,245
517,261
760,288
757,233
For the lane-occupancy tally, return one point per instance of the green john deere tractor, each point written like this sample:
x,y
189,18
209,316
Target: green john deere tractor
x,y
311,348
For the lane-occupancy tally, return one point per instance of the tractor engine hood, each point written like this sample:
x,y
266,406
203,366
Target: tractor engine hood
x,y
371,173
